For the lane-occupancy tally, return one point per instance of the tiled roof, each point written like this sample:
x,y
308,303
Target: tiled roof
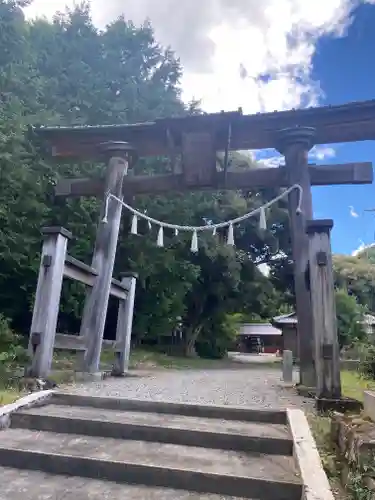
x,y
258,329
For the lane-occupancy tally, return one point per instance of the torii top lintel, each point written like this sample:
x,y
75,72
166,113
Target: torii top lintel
x,y
334,124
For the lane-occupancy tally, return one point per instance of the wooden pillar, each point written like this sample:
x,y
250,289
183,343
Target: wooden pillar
x,y
47,300
327,352
124,326
294,144
118,155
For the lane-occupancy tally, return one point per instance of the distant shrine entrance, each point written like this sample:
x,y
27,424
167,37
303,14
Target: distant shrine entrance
x,y
192,144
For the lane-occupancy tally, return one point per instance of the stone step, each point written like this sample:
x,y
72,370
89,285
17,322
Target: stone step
x,y
225,412
187,468
34,485
163,428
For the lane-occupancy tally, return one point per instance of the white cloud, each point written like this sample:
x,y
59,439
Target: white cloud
x,y
249,53
321,153
264,269
353,213
362,247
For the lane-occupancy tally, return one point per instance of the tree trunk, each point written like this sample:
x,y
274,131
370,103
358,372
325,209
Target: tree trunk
x,y
191,336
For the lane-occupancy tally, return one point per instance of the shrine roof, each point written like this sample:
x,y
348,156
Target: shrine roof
x,y
334,124
258,330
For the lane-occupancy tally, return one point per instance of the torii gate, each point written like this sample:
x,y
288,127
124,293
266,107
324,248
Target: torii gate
x,y
196,140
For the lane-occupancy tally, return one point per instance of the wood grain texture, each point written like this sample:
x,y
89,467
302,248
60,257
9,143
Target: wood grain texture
x,y
334,124
124,328
96,304
320,175
47,301
295,151
327,353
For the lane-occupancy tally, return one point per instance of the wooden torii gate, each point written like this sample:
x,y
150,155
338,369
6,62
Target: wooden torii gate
x,y
192,144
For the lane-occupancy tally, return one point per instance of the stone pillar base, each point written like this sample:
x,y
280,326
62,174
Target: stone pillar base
x,y
306,392
340,405
90,377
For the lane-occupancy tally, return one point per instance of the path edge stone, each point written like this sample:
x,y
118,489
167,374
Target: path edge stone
x,y
39,398
315,482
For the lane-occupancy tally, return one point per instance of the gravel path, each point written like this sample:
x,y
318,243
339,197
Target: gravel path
x,y
257,387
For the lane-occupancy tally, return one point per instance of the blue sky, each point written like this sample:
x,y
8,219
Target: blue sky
x,y
346,73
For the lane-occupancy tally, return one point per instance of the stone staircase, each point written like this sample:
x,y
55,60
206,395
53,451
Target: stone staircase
x,y
87,447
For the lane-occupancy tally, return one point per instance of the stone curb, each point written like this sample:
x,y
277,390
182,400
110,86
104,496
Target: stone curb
x,y
315,482
39,398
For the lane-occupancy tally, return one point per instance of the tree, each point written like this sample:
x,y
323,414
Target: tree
x,y
357,276
349,318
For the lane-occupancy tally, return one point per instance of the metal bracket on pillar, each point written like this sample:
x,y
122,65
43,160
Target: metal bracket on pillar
x,y
321,259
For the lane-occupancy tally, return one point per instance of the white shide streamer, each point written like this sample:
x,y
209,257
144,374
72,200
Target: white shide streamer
x,y
196,229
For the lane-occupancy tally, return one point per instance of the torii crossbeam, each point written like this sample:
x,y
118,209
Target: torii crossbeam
x,y
192,144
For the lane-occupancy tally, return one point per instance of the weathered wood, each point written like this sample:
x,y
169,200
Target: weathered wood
x,y
124,327
198,159
320,175
327,353
47,300
334,124
295,144
95,310
78,271
67,342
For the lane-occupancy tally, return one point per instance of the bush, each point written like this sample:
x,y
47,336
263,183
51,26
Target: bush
x,y
216,338
366,356
12,352
349,318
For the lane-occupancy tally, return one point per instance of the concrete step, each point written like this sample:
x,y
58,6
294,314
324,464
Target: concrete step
x,y
189,468
213,433
34,485
225,412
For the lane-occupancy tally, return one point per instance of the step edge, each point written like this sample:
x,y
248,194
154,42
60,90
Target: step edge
x,y
166,435
175,478
224,412
288,438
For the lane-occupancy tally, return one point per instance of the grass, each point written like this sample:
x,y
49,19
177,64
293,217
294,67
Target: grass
x,y
353,384
8,396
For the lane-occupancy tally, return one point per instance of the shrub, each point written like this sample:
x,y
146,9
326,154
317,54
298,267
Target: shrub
x,y
366,356
349,318
12,352
216,338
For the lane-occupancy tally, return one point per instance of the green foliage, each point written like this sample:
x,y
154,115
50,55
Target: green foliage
x,y
357,275
12,352
349,318
215,340
365,352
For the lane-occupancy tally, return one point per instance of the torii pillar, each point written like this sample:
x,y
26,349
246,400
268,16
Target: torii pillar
x,y
119,156
295,144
